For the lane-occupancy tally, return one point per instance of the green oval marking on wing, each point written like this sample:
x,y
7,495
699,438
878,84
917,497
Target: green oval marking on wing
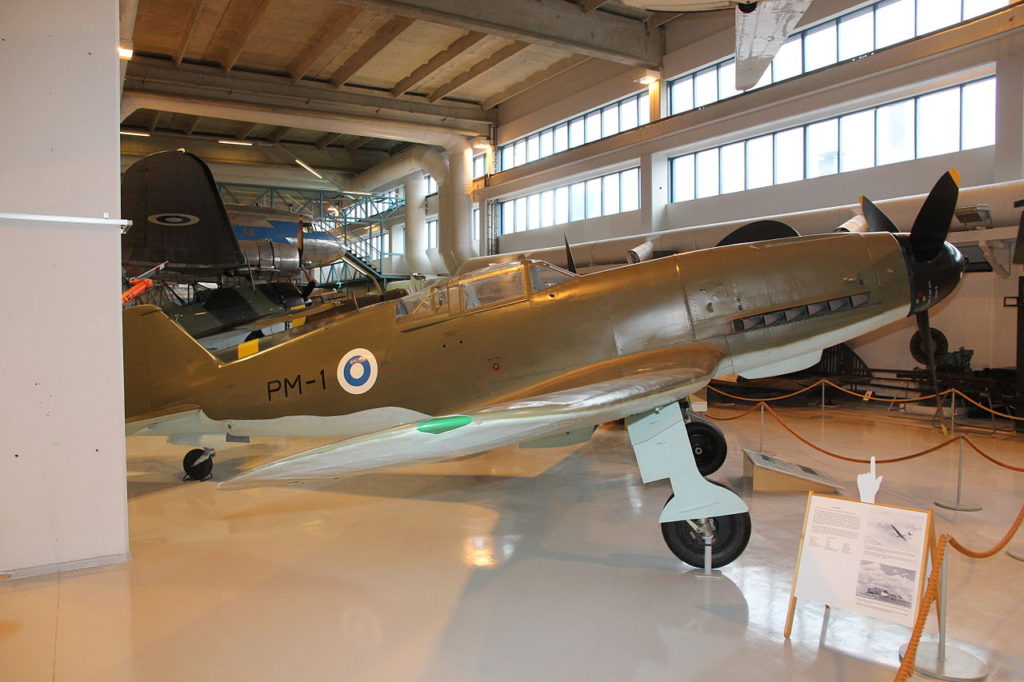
x,y
443,424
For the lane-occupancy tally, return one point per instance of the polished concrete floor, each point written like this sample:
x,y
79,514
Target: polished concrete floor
x,y
512,565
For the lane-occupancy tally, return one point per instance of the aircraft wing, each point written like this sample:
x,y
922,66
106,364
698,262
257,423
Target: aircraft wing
x,y
657,378
760,34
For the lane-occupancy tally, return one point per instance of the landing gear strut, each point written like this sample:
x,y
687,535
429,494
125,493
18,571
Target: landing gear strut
x,y
698,510
198,464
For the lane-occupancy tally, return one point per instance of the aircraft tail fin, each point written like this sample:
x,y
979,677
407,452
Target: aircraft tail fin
x,y
162,363
177,216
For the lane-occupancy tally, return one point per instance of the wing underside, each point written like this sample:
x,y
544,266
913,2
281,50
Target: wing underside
x,y
657,379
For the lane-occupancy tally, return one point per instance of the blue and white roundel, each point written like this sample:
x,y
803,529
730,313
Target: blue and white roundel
x,y
357,371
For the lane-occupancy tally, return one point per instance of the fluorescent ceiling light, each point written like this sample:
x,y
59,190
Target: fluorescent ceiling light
x,y
125,52
240,143
135,133
309,168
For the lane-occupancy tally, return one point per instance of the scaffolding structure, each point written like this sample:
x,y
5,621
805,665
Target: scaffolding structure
x,y
361,220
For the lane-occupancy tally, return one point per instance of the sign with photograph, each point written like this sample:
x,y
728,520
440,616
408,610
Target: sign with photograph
x,y
867,558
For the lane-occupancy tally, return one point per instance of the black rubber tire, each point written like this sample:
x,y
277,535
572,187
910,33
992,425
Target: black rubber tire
x,y
708,444
940,347
732,533
197,472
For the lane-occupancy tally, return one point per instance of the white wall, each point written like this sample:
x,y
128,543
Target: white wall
x,y
975,312
62,464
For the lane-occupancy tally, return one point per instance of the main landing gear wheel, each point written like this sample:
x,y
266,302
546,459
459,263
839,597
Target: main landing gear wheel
x,y
730,537
198,464
708,444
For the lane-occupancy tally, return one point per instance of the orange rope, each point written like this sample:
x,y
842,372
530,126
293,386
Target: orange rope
x,y
729,419
809,444
989,457
868,396
836,455
907,666
999,545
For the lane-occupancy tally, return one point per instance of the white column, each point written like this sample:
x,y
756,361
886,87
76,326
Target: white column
x,y
654,194
1009,162
62,462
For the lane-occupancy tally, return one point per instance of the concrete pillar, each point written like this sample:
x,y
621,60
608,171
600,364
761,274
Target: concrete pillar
x,y
1009,162
654,191
62,462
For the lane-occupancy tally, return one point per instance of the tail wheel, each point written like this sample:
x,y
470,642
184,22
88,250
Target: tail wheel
x,y
708,444
730,535
198,464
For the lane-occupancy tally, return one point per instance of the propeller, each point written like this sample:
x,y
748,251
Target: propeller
x,y
758,231
307,290
932,276
570,265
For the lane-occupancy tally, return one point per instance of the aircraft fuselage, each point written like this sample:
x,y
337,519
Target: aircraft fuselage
x,y
768,307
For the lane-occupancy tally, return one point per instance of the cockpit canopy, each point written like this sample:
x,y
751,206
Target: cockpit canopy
x,y
489,287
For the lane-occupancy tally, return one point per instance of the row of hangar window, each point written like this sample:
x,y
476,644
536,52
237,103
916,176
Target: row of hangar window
x,y
853,34
952,119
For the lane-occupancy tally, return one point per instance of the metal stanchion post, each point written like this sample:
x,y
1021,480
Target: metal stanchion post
x,y
941,660
958,505
761,447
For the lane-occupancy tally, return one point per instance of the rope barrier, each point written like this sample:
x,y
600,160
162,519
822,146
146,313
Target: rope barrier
x,y
870,396
836,455
906,668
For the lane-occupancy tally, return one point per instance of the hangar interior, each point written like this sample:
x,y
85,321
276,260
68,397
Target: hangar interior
x,y
429,135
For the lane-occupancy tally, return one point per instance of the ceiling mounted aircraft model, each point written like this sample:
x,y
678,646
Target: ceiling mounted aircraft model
x,y
761,29
528,353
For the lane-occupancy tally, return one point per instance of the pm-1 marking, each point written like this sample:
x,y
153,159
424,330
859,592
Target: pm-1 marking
x,y
289,386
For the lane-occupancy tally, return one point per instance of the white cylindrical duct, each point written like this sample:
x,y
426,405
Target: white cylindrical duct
x,y
640,252
902,211
416,241
455,210
414,159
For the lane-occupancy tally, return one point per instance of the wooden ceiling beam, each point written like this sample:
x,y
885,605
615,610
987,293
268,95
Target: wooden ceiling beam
x,y
357,143
193,23
555,23
534,80
278,134
591,5
190,125
326,139
477,70
656,19
370,49
340,20
436,62
247,130
252,18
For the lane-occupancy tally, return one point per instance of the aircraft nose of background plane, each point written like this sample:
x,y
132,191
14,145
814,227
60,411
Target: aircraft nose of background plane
x,y
934,279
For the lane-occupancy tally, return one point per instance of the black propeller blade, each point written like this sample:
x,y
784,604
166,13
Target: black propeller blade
x,y
877,220
932,223
307,290
759,231
925,330
570,265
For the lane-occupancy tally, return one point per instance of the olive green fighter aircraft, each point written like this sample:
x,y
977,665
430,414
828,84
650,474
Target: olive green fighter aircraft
x,y
528,353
